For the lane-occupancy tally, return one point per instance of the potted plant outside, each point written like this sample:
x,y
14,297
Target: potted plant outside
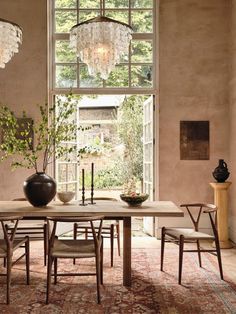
x,y
36,145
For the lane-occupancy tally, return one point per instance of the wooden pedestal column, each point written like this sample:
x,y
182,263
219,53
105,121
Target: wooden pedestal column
x,y
221,201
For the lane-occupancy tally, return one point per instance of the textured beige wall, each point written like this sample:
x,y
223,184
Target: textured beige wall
x,y
232,145
194,75
23,82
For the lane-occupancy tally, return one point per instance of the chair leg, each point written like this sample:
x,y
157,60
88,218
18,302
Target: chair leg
x,y
45,243
27,260
75,236
162,246
112,243
118,237
55,271
181,251
199,253
49,272
219,257
98,276
101,262
9,266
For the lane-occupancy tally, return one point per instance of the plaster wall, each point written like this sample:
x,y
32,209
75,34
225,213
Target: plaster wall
x,y
23,82
232,145
194,74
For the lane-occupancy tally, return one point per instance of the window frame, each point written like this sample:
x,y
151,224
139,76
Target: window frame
x,y
52,91
53,37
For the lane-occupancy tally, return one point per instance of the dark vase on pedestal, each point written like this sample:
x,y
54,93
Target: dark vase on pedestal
x,y
39,189
221,172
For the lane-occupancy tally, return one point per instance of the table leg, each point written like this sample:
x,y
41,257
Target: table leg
x,y
127,251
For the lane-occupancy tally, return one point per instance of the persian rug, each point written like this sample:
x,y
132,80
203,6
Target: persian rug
x,y
152,291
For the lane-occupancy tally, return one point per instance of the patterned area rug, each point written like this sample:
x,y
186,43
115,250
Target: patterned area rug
x,y
152,291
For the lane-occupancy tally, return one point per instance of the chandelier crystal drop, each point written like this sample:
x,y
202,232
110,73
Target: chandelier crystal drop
x,y
100,43
10,39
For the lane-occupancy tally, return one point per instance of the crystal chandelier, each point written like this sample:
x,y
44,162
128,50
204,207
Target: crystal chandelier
x,y
100,43
10,38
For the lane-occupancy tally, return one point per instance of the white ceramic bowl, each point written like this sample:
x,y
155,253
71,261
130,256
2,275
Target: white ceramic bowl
x,y
65,197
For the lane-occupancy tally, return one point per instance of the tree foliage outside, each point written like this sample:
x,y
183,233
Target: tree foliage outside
x,y
130,132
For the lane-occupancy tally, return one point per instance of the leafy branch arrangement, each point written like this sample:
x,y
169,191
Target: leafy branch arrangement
x,y
51,133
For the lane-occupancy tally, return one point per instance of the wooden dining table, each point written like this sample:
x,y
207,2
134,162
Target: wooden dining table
x,y
112,210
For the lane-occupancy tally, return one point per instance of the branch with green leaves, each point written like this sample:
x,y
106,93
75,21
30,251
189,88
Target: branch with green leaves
x,y
54,135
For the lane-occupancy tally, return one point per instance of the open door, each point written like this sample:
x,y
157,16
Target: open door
x,y
148,151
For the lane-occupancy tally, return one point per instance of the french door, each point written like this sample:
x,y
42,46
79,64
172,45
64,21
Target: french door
x,y
148,159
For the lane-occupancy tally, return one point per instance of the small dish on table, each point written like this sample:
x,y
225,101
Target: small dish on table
x,y
65,196
134,199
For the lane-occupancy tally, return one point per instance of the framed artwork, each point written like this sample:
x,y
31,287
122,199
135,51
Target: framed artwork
x,y
194,140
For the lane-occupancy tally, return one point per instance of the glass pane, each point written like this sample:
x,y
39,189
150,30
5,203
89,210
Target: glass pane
x,y
142,21
141,3
124,58
66,172
87,80
118,77
66,187
65,20
91,4
141,76
141,51
66,76
117,3
70,156
61,172
72,169
61,187
71,187
63,52
65,3
121,16
61,101
87,15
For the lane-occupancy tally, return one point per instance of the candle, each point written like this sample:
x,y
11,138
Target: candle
x,y
92,174
82,179
92,182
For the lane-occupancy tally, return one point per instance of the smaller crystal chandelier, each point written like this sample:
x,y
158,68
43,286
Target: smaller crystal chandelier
x,y
100,42
10,38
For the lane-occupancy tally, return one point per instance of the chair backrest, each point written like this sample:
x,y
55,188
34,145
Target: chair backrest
x,y
209,209
9,236
88,219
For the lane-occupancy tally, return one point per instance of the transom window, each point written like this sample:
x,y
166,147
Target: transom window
x,y
136,70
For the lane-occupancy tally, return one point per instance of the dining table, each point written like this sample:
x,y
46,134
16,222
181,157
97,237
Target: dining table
x,y
110,210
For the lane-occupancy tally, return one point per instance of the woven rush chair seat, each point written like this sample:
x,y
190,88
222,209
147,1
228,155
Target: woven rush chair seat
x,y
75,248
15,245
8,246
189,234
181,236
110,229
35,229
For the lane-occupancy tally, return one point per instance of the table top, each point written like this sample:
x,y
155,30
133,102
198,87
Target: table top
x,y
106,208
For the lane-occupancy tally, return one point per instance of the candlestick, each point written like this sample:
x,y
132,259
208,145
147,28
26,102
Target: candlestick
x,y
83,190
92,183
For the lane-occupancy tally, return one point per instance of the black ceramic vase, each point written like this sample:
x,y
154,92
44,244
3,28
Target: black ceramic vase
x,y
39,189
221,172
